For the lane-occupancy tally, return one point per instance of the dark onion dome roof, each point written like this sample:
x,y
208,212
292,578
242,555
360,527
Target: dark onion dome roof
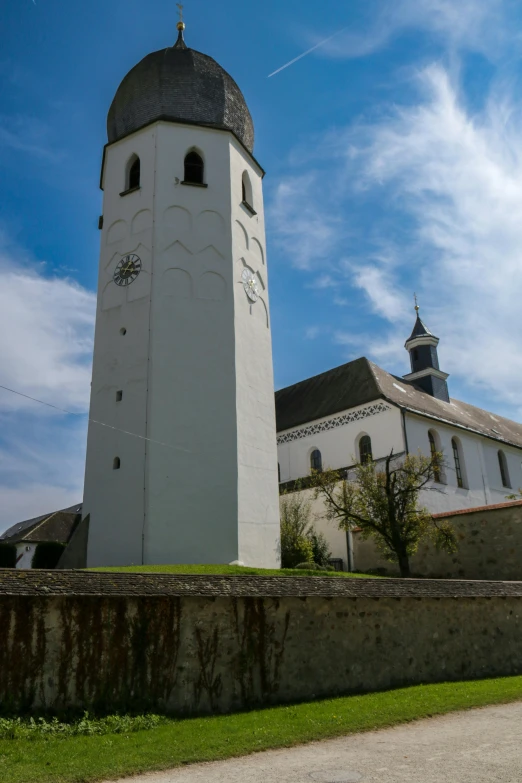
x,y
180,85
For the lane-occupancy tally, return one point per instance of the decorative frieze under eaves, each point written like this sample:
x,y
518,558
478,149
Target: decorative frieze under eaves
x,y
332,424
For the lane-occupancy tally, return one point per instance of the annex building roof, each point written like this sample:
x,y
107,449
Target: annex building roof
x,y
54,526
361,381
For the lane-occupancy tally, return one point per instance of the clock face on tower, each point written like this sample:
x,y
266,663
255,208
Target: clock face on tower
x,y
250,285
127,270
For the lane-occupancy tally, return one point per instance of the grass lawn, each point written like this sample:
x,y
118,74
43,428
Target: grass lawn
x,y
228,570
83,759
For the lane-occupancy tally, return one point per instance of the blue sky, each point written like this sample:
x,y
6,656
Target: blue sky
x,y
394,164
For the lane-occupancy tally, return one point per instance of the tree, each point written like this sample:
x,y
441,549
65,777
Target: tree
x,y
300,542
383,501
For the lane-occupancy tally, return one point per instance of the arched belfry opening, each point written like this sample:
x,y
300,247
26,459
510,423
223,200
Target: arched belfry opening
x,y
194,173
248,198
133,179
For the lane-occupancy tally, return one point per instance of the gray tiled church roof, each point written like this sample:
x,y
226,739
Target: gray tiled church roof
x,y
181,85
362,381
54,526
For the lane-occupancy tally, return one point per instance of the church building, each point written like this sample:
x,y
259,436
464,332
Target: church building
x,y
358,411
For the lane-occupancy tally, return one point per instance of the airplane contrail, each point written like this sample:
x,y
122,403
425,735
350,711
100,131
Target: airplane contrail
x,y
309,51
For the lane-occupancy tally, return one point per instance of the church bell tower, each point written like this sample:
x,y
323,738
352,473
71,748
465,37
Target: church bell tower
x,y
425,371
181,454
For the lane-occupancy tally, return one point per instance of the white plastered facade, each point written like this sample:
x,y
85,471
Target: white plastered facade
x,y
337,438
192,358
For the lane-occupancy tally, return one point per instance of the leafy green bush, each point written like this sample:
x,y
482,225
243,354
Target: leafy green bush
x,y
47,554
7,556
295,520
320,548
41,728
300,543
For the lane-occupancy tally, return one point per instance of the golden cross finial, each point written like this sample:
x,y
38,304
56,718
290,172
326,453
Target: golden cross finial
x,y
180,6
417,308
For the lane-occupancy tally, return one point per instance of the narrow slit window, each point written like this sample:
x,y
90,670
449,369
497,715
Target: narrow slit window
x,y
134,174
246,189
434,455
365,449
119,396
116,465
458,463
504,473
316,461
194,169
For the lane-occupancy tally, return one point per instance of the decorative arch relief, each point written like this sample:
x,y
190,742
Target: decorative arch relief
x,y
240,235
177,283
177,255
210,226
212,286
176,224
257,249
142,221
117,231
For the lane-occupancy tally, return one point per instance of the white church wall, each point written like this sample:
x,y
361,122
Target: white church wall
x,y
24,555
191,482
514,469
115,498
258,500
479,461
337,438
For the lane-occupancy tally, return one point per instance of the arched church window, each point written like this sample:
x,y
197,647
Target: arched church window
x,y
116,465
316,461
194,168
434,453
504,473
365,449
459,463
134,173
248,199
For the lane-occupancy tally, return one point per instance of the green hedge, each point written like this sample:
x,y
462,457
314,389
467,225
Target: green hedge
x,y
47,554
7,556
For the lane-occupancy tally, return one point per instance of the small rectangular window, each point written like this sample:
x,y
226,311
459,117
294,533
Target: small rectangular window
x,y
119,396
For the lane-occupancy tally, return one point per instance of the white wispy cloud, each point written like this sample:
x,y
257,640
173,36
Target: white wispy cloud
x,y
459,176
478,25
446,185
47,327
306,231
47,323
29,135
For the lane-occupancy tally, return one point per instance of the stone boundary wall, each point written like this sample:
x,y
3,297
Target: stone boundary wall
x,y
490,547
199,644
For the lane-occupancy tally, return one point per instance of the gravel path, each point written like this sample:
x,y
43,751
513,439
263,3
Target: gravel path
x,y
479,746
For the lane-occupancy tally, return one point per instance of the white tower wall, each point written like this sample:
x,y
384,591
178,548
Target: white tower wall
x,y
195,366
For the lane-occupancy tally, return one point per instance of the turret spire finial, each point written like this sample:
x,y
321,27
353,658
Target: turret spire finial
x,y
180,43
417,308
181,23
